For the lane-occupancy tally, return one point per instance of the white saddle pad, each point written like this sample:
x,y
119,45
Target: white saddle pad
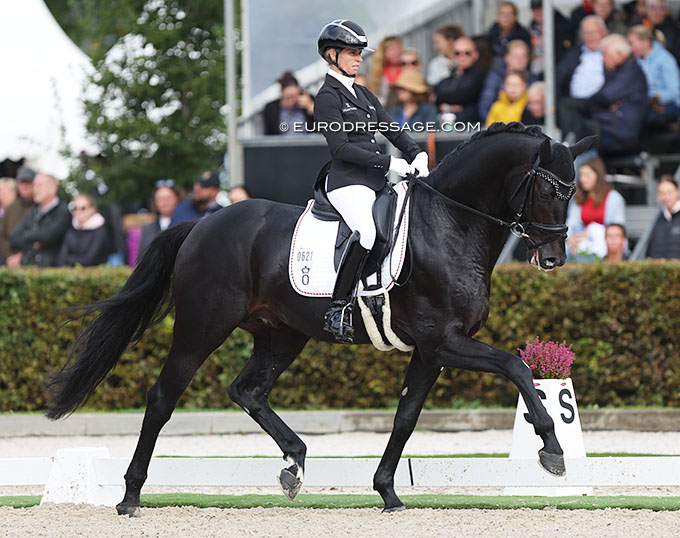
x,y
311,268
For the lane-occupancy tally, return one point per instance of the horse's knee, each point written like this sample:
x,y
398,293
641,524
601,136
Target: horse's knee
x,y
159,403
244,397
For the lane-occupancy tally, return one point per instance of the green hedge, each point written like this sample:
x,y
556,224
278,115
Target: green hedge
x,y
623,319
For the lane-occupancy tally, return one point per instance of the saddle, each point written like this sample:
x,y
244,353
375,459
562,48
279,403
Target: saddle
x,y
384,209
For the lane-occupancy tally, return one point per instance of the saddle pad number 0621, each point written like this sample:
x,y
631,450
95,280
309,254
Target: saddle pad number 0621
x,y
311,268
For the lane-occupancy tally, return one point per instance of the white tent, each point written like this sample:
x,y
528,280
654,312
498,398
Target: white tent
x,y
41,112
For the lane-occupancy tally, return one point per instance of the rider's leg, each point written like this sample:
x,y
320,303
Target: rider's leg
x,y
355,204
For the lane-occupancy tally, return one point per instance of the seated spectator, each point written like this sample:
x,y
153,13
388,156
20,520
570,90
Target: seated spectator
x,y
410,61
485,56
617,111
617,243
15,213
665,239
511,100
506,28
443,64
202,201
413,95
87,242
294,107
165,200
660,19
662,73
635,12
8,194
564,37
385,69
459,92
516,59
40,234
612,17
580,12
594,205
534,113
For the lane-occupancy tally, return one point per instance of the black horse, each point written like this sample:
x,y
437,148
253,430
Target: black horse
x,y
230,270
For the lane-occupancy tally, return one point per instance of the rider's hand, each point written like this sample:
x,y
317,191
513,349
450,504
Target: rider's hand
x,y
419,165
399,166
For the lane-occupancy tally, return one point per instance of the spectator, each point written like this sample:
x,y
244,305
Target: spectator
x,y
534,113
202,202
40,234
662,73
410,61
8,194
665,239
618,108
385,69
165,200
238,194
612,17
594,205
511,100
87,242
635,12
15,213
617,243
459,92
442,65
516,59
564,37
506,28
413,95
294,107
485,56
659,18
581,12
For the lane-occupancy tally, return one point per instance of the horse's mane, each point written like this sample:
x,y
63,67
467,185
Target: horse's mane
x,y
494,129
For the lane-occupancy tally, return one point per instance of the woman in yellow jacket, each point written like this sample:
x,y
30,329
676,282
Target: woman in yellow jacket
x,y
511,100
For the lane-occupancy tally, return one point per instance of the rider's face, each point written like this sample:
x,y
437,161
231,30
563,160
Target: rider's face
x,y
350,60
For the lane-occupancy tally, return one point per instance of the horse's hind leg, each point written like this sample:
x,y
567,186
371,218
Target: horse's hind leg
x,y
274,350
417,384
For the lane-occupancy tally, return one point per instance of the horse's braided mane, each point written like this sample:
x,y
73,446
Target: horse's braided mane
x,y
493,129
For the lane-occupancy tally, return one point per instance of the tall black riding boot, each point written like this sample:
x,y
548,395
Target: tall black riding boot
x,y
338,319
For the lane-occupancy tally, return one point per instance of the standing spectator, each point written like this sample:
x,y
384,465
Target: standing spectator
x,y
294,107
506,28
511,100
39,235
385,69
202,202
8,194
442,65
534,113
459,92
410,61
665,239
87,242
662,73
617,243
165,200
612,17
413,94
564,37
594,205
516,59
659,18
15,213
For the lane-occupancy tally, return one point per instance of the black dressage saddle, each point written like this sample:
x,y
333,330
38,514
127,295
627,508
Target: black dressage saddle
x,y
384,210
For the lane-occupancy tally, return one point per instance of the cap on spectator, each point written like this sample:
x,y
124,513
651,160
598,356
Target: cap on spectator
x,y
209,179
535,4
24,173
412,81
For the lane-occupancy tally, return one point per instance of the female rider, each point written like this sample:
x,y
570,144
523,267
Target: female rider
x,y
347,114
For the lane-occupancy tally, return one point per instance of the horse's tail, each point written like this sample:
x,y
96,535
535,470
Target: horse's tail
x,y
144,300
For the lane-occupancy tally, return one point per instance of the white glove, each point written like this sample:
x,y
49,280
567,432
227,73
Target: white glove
x,y
419,165
399,166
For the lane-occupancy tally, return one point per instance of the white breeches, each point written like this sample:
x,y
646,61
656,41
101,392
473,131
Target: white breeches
x,y
355,204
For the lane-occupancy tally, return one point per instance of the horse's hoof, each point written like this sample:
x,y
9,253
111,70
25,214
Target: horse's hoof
x,y
289,482
393,509
552,463
128,510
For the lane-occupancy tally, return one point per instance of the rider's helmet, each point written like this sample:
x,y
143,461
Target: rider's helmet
x,y
341,34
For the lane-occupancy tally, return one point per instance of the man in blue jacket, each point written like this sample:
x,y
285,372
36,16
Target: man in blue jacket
x,y
202,202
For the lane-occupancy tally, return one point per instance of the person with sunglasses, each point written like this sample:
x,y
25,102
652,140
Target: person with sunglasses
x,y
410,61
348,116
87,241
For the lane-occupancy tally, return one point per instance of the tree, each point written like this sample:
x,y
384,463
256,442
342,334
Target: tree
x,y
159,94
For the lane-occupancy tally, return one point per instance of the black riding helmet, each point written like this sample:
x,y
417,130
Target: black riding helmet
x,y
341,34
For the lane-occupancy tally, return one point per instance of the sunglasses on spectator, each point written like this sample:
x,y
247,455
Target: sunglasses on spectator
x,y
412,62
80,208
165,183
461,52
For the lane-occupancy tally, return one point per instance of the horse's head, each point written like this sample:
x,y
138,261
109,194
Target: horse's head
x,y
541,200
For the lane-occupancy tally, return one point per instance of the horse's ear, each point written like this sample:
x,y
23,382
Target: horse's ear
x,y
544,151
582,145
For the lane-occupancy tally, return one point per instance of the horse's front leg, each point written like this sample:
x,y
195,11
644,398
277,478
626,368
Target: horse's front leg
x,y
470,354
417,384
